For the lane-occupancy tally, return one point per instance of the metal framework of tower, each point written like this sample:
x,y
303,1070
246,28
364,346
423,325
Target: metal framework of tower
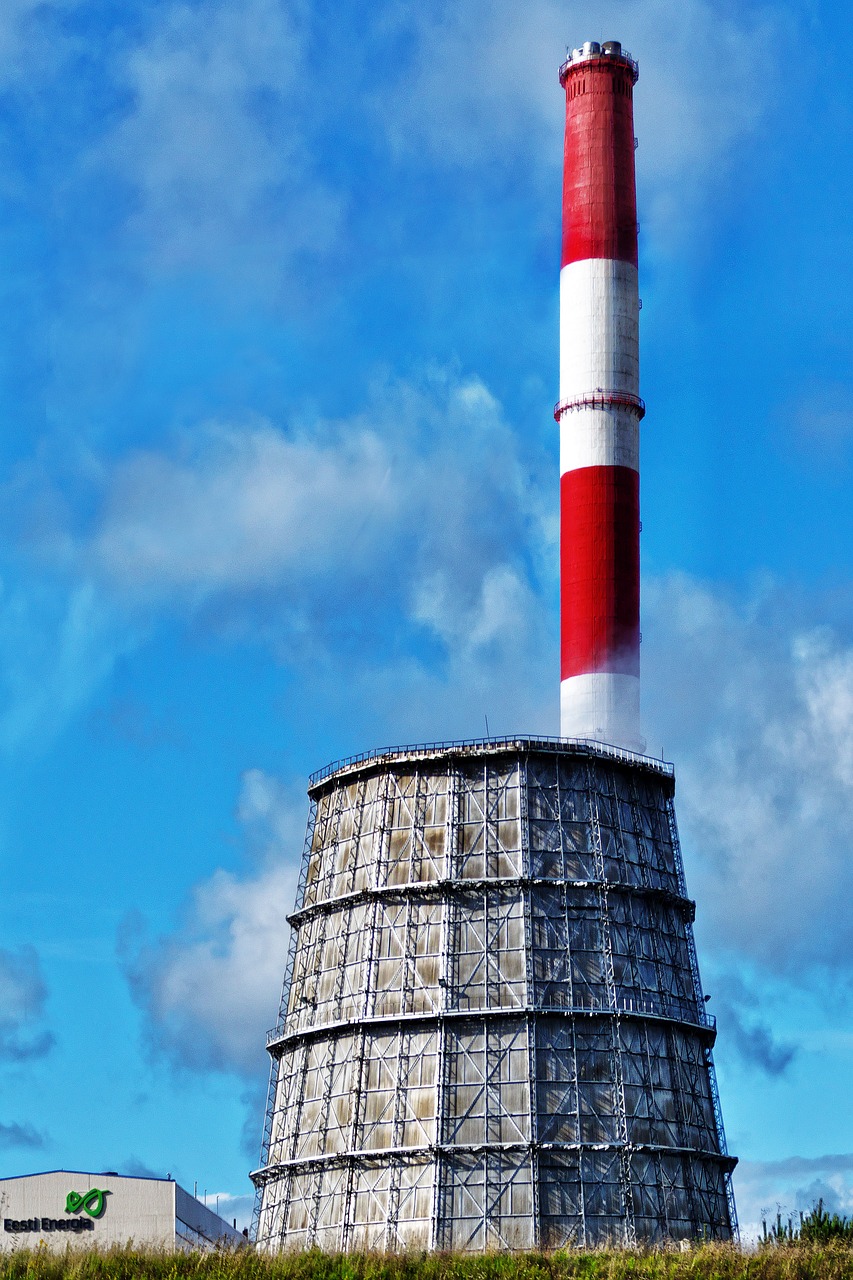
x,y
492,1031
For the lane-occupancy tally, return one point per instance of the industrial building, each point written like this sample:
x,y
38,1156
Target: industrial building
x,y
65,1207
493,1032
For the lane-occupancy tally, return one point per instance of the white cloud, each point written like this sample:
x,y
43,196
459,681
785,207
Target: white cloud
x,y
237,1208
756,707
500,612
240,507
211,993
423,492
790,1186
215,144
484,84
230,102
501,662
270,812
210,990
416,532
384,512
417,519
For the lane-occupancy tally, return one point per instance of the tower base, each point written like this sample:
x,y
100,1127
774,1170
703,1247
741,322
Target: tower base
x,y
492,1033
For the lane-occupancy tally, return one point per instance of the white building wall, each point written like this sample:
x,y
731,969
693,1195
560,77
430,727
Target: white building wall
x,y
140,1211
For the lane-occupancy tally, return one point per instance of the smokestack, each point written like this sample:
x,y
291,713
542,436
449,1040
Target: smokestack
x,y
599,410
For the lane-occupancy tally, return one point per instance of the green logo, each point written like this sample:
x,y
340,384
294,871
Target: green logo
x,y
94,1202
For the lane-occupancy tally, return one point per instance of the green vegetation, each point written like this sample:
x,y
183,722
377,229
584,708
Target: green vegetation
x,y
815,1227
791,1258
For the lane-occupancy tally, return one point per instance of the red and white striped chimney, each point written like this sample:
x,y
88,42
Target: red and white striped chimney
x,y
599,410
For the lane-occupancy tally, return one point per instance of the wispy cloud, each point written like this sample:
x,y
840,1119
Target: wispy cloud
x,y
20,1135
32,40
489,77
420,506
237,507
58,644
215,144
414,532
209,991
22,999
423,471
755,704
790,1186
822,423
410,542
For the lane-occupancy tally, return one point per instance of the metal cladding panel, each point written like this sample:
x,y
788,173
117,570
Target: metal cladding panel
x,y
499,1040
491,1199
600,571
599,196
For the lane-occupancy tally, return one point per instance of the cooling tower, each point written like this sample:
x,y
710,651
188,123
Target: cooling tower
x,y
492,1033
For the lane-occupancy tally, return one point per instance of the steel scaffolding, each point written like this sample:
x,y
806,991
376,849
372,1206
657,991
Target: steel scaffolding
x,y
492,1031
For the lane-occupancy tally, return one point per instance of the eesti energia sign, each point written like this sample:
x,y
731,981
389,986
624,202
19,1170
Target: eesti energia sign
x,y
91,1203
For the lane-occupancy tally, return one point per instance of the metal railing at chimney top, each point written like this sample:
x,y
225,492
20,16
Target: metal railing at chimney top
x,y
622,56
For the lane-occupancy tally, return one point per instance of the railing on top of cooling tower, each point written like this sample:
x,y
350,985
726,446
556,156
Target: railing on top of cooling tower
x,y
669,1010
520,740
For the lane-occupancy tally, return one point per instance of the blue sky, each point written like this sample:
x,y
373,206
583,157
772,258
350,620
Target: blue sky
x,y
278,482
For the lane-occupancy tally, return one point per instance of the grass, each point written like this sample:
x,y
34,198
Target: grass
x,y
789,1261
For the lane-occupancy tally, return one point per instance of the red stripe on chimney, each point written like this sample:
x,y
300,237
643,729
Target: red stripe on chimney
x,y
600,570
599,195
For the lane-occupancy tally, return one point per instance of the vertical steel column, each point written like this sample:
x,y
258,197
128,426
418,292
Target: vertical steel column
x,y
440,1233
404,1049
287,982
531,1000
353,1141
